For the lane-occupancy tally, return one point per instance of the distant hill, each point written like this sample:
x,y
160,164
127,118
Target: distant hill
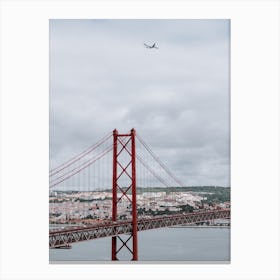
x,y
214,194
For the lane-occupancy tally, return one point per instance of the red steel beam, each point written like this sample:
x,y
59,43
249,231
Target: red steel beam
x,y
114,192
134,204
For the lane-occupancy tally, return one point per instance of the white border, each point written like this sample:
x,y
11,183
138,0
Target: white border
x,y
254,142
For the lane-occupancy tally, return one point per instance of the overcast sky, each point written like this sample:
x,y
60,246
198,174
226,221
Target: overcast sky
x,y
176,97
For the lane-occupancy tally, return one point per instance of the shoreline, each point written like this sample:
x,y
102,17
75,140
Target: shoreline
x,y
182,226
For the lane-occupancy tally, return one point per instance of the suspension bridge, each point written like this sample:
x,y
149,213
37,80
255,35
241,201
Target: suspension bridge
x,y
108,190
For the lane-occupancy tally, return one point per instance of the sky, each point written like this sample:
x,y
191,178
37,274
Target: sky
x,y
177,97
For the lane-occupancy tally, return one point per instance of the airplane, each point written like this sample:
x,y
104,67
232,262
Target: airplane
x,y
151,47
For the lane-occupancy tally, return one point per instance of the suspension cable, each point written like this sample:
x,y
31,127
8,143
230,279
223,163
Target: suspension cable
x,y
83,167
156,158
79,156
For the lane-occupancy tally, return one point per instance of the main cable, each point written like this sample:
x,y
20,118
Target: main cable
x,y
79,156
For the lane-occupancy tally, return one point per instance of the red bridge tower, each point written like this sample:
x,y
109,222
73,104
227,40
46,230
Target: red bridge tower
x,y
124,184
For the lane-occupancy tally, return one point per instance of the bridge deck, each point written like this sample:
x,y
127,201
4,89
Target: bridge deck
x,y
59,238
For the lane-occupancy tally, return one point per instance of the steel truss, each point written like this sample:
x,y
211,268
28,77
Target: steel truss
x,y
64,237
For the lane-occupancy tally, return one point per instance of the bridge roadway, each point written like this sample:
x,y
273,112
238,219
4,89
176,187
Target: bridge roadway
x,y
64,237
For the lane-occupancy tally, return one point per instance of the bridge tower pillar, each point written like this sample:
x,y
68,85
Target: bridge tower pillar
x,y
124,187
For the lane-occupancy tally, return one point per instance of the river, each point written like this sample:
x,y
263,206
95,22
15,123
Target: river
x,y
166,244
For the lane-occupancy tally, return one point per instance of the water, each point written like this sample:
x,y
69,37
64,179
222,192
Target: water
x,y
166,244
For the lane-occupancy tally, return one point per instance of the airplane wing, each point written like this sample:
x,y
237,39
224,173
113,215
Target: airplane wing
x,y
151,47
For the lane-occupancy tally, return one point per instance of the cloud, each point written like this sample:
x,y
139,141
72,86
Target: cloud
x,y
177,97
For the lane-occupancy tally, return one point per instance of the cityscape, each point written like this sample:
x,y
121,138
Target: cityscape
x,y
91,207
